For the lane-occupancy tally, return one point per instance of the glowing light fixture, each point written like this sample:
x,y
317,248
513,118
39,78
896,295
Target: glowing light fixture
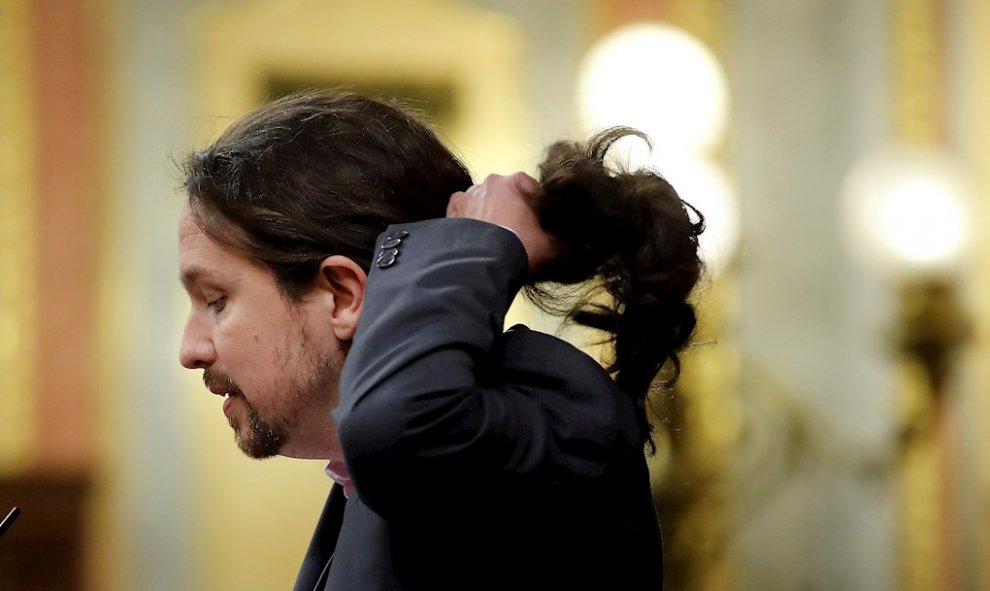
x,y
658,79
907,209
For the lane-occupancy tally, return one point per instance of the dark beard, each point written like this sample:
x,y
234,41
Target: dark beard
x,y
263,440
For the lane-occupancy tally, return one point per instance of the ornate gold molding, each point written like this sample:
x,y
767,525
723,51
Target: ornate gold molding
x,y
705,19
927,542
693,464
17,322
694,458
917,71
975,29
921,540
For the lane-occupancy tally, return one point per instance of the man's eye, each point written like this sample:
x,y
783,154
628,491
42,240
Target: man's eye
x,y
217,304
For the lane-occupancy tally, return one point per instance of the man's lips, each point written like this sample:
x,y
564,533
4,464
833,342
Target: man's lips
x,y
228,403
224,387
219,383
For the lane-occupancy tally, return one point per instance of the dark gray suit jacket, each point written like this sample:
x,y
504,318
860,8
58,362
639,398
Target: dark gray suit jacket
x,y
482,459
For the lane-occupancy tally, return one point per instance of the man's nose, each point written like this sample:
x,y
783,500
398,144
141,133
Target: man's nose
x,y
196,350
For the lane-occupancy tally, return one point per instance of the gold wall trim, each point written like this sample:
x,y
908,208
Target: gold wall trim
x,y
927,549
693,491
17,280
975,27
917,70
705,19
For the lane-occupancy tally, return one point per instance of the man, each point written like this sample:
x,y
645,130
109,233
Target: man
x,y
347,300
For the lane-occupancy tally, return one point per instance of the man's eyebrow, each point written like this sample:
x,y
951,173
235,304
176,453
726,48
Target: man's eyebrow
x,y
191,275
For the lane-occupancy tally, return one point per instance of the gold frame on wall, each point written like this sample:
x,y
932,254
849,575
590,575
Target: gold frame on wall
x,y
976,73
693,485
378,43
17,214
928,550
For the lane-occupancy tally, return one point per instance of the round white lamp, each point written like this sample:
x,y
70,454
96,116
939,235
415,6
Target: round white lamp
x,y
658,79
907,210
664,82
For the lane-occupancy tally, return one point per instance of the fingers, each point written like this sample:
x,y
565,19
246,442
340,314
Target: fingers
x,y
455,204
515,183
459,205
523,183
497,197
504,200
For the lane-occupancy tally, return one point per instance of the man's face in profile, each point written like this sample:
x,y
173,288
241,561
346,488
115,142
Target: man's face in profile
x,y
276,362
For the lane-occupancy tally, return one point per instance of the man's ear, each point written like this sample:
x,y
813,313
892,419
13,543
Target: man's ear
x,y
343,281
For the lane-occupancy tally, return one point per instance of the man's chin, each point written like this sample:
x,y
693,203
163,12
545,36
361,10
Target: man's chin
x,y
258,444
256,438
256,453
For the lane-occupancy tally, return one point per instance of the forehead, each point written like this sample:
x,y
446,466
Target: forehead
x,y
202,257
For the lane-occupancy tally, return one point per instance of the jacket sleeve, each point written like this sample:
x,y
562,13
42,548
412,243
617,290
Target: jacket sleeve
x,y
412,404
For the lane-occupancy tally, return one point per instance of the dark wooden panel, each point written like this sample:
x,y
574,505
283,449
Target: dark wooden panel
x,y
44,547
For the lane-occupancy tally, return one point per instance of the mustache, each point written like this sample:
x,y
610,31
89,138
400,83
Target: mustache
x,y
216,379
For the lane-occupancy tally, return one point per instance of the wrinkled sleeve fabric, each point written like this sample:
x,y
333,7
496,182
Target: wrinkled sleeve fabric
x,y
414,403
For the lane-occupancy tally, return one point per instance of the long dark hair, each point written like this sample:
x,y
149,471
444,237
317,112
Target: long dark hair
x,y
632,236
316,174
325,172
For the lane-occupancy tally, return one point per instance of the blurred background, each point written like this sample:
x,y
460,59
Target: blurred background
x,y
830,429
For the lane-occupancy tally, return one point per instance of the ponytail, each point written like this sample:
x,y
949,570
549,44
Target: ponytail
x,y
637,240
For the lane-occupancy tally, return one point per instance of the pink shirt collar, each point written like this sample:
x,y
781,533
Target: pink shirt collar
x,y
337,470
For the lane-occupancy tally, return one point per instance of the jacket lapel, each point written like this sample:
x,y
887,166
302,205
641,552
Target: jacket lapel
x,y
313,573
